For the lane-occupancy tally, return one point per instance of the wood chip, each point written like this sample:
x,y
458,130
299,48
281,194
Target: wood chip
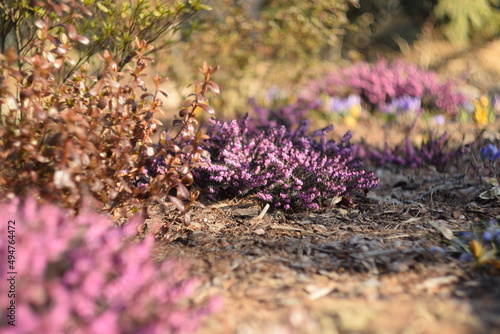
x,y
261,215
286,228
247,212
445,232
316,292
259,231
435,282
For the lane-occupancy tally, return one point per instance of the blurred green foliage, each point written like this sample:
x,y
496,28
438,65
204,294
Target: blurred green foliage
x,y
461,21
259,44
243,32
467,19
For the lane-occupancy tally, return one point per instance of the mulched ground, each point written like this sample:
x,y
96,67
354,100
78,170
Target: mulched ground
x,y
363,268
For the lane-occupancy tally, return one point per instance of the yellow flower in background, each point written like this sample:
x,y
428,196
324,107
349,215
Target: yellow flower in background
x,y
425,138
484,100
350,121
355,110
481,113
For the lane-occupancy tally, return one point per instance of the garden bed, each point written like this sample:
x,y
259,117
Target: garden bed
x,y
361,268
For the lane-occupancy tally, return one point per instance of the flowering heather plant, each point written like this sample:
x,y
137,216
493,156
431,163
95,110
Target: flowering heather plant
x,y
291,115
383,83
85,275
287,168
433,152
91,133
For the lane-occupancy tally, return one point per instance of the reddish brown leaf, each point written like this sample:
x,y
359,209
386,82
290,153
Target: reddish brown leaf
x,y
207,108
177,203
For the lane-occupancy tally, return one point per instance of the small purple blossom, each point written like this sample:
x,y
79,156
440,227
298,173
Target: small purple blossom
x,y
436,250
487,236
402,104
495,102
439,120
490,152
465,236
338,105
466,258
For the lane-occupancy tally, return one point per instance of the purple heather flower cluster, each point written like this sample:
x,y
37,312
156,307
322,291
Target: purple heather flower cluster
x,y
403,104
383,84
85,275
287,168
490,152
291,115
433,153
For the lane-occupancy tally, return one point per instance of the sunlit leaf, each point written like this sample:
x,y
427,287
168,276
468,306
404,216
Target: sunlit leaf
x,y
486,195
207,108
177,203
102,7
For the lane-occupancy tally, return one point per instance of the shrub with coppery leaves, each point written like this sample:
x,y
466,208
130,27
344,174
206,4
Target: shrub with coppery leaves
x,y
85,275
101,25
290,169
91,133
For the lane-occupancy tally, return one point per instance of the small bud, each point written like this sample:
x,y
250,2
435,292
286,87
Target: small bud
x,y
188,179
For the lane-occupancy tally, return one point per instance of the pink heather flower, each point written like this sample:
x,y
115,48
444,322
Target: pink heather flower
x,y
381,83
95,280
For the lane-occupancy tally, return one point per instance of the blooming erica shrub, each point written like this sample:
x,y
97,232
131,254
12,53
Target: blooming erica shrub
x,y
290,115
85,275
386,86
287,168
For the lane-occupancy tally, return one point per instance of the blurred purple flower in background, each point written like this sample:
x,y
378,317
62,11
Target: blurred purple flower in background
x,y
337,104
469,107
495,102
385,81
273,94
402,104
490,152
439,120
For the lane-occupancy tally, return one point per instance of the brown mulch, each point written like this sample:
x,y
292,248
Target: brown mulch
x,y
360,268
